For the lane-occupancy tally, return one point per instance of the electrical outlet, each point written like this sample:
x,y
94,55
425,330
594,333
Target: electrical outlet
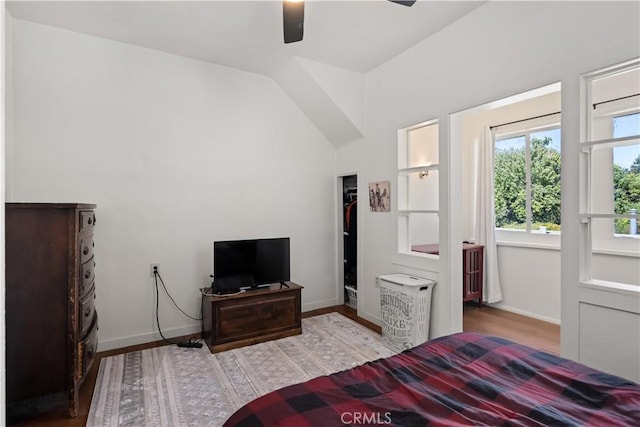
x,y
156,267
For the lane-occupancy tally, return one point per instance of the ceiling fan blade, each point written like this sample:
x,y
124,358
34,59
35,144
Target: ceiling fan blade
x,y
408,3
293,20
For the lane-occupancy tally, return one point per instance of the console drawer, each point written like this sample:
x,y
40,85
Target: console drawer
x,y
257,316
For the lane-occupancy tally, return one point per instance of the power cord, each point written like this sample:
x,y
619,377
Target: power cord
x,y
193,341
156,275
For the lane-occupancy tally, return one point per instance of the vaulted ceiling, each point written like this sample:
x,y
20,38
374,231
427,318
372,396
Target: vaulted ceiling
x,y
343,40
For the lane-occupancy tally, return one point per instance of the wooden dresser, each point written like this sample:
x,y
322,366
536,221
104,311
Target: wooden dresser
x,y
472,268
252,316
51,322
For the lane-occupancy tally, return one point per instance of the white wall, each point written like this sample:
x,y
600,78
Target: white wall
x,y
176,153
498,50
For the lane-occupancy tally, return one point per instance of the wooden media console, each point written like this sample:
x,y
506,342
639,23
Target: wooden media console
x,y
252,317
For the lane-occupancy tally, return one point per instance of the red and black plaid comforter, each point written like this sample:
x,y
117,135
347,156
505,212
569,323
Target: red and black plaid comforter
x,y
462,379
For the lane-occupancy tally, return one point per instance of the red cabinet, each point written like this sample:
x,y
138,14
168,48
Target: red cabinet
x,y
472,272
472,268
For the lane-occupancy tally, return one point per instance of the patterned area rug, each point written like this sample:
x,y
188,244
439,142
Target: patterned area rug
x,y
173,386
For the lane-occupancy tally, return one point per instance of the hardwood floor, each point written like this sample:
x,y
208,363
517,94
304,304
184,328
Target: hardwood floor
x,y
488,320
524,330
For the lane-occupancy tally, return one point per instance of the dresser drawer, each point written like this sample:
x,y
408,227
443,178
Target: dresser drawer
x,y
87,310
87,348
87,220
87,276
85,247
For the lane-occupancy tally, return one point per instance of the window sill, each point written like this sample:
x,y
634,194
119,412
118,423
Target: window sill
x,y
551,247
614,287
533,240
529,245
616,252
417,260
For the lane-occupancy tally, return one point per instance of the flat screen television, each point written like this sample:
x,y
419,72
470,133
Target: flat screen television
x,y
249,264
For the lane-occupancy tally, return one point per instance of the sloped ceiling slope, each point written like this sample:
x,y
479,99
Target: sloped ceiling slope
x,y
323,73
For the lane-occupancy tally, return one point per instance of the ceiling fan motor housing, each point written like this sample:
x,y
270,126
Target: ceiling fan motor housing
x,y
293,20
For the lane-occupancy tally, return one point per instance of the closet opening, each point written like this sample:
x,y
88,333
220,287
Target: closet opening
x,y
349,252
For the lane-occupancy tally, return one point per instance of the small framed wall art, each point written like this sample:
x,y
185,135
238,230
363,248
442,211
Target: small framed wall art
x,y
380,196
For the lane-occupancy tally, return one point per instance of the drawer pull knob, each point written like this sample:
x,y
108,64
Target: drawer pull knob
x,y
87,274
90,351
94,220
90,221
87,311
85,250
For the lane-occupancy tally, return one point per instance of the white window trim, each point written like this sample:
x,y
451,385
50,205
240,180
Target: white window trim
x,y
506,236
594,244
602,118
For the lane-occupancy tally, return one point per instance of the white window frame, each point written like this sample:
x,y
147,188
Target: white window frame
x,y
604,119
601,239
509,234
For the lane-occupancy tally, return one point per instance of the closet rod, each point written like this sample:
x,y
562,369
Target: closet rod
x,y
524,120
615,99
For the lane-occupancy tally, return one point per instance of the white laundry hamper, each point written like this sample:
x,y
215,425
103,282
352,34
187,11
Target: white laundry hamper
x,y
405,306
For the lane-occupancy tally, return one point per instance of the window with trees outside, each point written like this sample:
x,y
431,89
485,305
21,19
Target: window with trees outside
x,y
527,180
626,175
611,156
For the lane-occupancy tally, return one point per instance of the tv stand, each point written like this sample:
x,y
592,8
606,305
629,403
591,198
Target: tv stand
x,y
251,317
283,284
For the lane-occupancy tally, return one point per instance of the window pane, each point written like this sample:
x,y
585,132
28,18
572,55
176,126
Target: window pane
x,y
510,183
628,125
626,174
622,269
545,180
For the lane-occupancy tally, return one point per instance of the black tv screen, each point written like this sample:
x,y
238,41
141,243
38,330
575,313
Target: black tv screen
x,y
246,264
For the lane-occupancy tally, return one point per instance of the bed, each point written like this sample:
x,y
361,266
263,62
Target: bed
x,y
461,379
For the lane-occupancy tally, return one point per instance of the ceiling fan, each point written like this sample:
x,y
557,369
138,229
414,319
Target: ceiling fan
x,y
293,18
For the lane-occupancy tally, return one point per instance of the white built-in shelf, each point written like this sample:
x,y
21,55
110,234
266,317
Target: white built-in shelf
x,y
422,211
416,169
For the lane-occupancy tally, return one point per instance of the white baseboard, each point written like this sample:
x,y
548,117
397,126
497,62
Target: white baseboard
x,y
319,304
525,313
114,343
371,318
